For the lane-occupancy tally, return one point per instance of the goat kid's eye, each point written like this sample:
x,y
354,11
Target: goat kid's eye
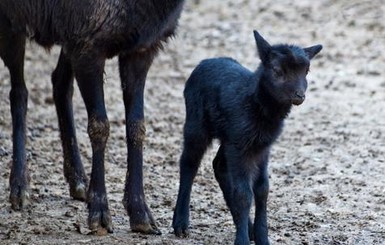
x,y
277,71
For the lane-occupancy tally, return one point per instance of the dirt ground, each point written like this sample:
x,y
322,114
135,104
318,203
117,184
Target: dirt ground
x,y
327,170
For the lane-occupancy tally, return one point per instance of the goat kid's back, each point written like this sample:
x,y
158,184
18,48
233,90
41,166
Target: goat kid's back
x,y
219,98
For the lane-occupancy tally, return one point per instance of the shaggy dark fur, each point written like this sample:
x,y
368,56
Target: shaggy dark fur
x,y
245,110
89,31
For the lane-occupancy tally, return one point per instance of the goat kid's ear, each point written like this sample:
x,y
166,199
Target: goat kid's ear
x,y
313,50
263,47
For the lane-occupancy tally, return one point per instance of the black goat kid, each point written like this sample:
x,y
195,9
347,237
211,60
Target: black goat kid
x,y
245,111
89,31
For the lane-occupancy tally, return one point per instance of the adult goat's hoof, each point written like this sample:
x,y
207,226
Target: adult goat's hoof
x,y
99,215
19,198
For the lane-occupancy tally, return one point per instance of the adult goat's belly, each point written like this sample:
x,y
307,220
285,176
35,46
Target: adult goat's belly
x,y
148,34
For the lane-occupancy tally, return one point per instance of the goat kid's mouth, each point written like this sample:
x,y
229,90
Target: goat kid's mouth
x,y
297,101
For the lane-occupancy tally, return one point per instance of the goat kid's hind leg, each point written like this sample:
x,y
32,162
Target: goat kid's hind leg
x,y
133,72
195,145
62,80
12,48
223,177
89,74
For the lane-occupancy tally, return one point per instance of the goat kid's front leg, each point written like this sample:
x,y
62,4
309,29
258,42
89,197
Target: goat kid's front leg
x,y
89,74
222,175
62,80
133,72
261,191
240,193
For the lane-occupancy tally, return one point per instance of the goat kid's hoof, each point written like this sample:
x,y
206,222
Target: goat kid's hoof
x,y
19,198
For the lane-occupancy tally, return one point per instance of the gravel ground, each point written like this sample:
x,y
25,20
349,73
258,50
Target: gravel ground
x,y
326,171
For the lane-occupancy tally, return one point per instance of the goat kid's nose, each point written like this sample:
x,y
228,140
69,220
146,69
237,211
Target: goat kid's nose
x,y
298,98
300,94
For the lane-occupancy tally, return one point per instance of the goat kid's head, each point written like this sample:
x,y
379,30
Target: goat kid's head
x,y
286,67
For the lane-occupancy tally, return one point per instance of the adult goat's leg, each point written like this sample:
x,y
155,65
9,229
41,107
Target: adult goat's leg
x,y
12,48
89,74
62,80
133,71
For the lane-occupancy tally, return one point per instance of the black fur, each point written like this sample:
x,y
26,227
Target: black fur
x,y
245,110
89,31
